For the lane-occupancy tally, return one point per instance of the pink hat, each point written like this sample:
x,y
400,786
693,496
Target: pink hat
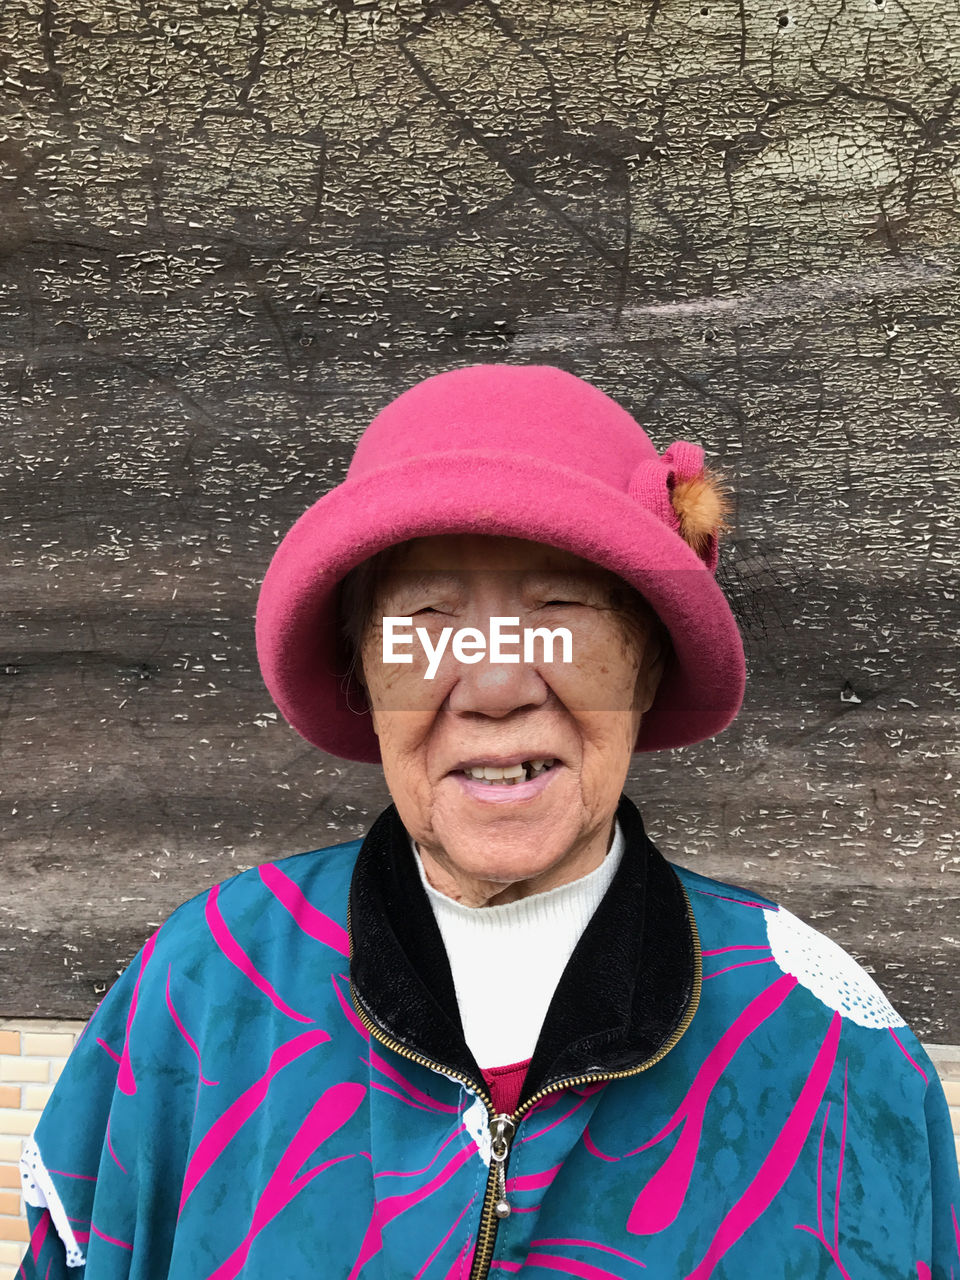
x,y
527,451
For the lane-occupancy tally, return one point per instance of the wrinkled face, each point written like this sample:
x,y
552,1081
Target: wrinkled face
x,y
501,840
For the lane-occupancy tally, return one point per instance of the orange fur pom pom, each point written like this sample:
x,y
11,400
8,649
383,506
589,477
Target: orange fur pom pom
x,y
702,506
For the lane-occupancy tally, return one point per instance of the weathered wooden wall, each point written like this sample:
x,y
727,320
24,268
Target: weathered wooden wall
x,y
230,233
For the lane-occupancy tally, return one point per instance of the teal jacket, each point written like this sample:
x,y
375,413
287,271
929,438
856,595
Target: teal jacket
x,y
278,1088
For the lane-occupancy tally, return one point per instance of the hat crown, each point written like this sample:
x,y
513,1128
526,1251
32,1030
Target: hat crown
x,y
534,410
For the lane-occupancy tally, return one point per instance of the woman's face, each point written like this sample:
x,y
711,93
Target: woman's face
x,y
482,844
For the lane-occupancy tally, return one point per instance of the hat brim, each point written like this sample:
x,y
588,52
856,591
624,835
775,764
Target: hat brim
x,y
481,491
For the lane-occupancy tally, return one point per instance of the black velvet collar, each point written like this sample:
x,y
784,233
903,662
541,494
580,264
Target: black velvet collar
x,y
632,978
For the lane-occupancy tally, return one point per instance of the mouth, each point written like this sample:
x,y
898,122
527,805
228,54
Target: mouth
x,y
506,774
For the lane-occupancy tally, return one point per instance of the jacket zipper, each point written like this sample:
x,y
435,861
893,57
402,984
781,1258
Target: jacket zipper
x,y
503,1126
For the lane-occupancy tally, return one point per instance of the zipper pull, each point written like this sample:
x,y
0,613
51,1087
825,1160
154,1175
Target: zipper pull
x,y
502,1129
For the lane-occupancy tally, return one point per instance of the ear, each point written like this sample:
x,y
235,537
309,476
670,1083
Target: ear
x,y
702,506
648,680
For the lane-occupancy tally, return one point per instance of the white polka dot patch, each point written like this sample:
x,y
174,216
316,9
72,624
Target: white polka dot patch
x,y
39,1191
826,970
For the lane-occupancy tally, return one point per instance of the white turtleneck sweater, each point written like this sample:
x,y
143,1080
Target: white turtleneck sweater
x,y
507,959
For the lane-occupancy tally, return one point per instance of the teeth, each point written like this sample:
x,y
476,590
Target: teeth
x,y
491,773
509,775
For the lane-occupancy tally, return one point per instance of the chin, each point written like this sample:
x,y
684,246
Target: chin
x,y
508,866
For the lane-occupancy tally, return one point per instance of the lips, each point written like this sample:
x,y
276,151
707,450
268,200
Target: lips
x,y
517,794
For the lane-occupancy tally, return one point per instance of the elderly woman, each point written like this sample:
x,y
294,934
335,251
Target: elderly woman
x,y
501,1034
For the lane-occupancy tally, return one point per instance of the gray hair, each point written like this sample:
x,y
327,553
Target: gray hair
x,y
357,595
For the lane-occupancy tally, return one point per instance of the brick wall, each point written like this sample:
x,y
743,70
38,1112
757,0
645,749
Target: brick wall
x,y
32,1054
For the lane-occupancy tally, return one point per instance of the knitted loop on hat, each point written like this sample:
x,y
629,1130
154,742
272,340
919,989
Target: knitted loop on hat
x,y
685,460
652,483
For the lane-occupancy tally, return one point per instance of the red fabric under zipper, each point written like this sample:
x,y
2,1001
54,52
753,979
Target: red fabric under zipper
x,y
505,1084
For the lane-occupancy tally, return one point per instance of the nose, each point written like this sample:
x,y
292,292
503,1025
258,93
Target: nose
x,y
496,688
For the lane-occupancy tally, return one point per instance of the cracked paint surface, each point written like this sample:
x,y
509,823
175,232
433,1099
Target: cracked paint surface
x,y
230,233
